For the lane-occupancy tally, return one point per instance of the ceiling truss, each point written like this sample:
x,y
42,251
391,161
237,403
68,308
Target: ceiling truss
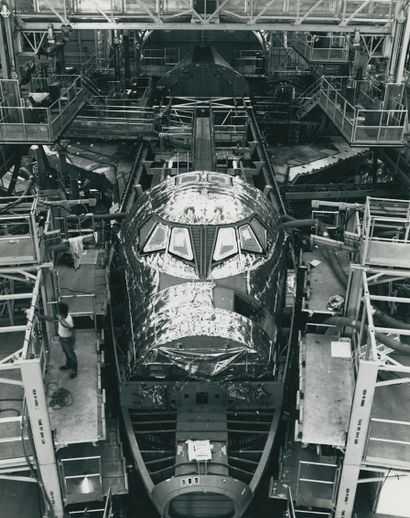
x,y
370,17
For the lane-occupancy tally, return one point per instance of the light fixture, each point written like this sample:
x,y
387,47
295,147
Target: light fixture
x,y
401,17
356,39
85,485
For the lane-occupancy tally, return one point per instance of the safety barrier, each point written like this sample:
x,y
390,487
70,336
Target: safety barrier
x,y
40,125
321,49
383,126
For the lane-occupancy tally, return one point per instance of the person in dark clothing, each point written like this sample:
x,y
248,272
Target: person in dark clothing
x,y
67,338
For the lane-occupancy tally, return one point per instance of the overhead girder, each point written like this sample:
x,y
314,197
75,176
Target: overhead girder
x,y
286,26
370,16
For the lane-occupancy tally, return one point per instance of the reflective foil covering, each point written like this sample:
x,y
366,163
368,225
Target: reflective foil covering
x,y
178,327
198,198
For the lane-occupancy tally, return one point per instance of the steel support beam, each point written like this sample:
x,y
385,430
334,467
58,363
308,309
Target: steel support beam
x,y
356,439
372,27
402,54
31,373
5,65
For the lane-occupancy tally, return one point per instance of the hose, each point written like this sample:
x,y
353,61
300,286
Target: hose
x,y
390,321
60,398
386,340
334,264
20,198
18,413
296,223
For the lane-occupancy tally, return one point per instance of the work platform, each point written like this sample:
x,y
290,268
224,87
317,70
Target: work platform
x,y
308,478
83,421
42,116
325,395
110,121
321,284
388,436
320,48
108,454
362,114
41,430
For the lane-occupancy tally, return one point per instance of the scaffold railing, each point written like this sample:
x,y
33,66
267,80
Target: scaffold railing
x,y
382,125
386,233
317,48
21,238
22,334
159,61
21,122
377,319
113,121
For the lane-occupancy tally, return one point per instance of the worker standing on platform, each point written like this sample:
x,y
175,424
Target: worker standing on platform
x,y
67,338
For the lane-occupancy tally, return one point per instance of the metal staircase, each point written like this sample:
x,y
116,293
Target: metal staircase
x,y
94,95
309,99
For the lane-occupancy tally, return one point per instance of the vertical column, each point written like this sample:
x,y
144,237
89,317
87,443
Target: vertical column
x,y
356,439
5,13
127,68
397,43
116,42
402,54
41,430
5,66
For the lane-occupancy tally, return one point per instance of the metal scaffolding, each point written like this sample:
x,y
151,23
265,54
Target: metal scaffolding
x,y
21,123
371,16
370,346
317,48
378,440
362,115
27,438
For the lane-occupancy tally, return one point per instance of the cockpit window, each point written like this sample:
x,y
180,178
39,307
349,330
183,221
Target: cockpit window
x,y
260,232
180,243
220,179
226,244
145,230
188,178
249,242
158,239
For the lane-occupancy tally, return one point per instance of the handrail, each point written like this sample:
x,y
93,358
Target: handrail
x,y
360,125
320,54
309,92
